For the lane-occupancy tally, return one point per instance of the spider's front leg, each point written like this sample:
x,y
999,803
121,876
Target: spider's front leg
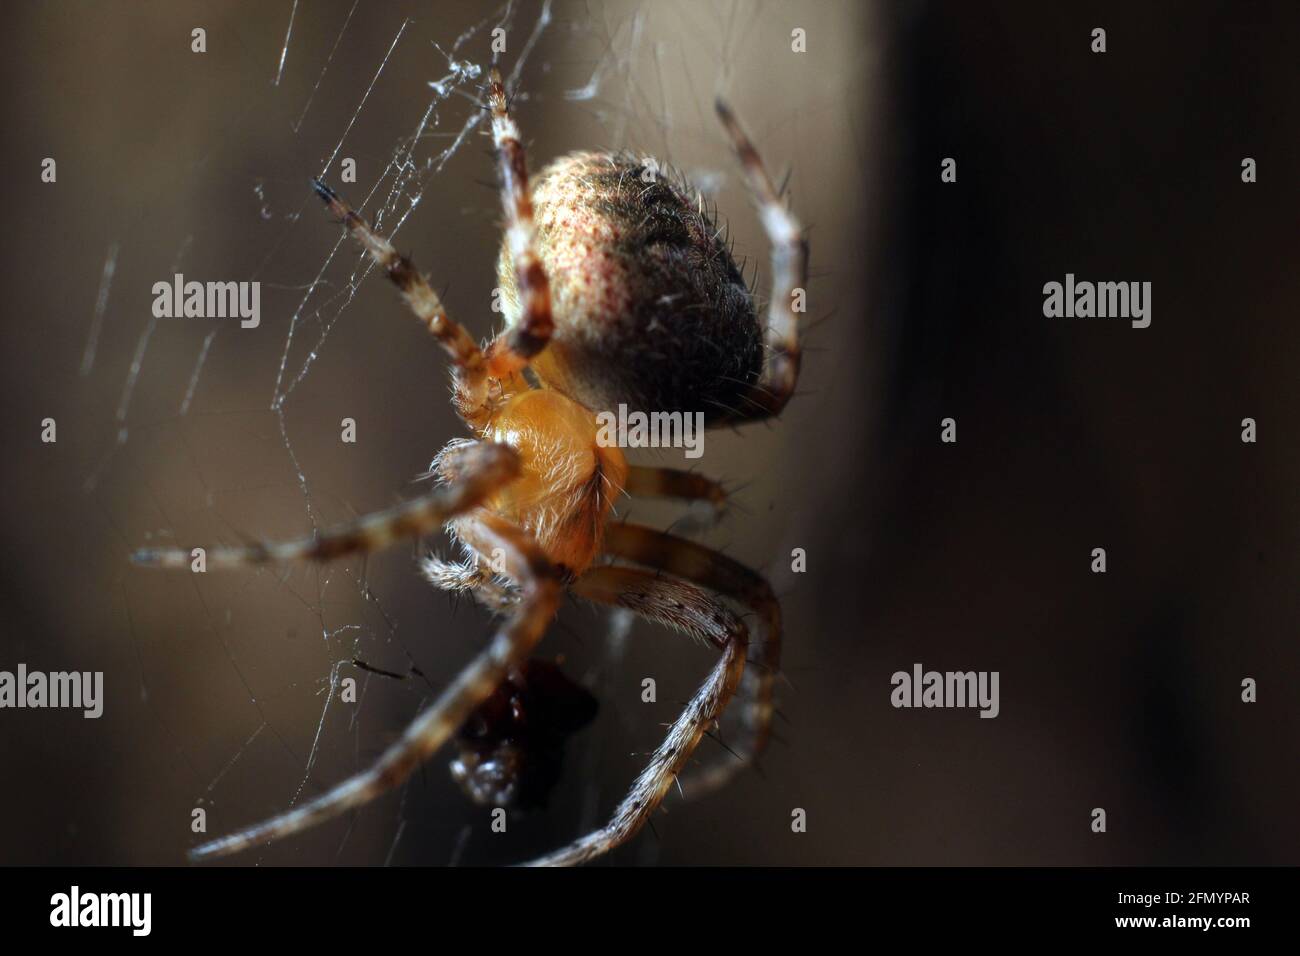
x,y
514,348
481,469
475,390
539,586
481,382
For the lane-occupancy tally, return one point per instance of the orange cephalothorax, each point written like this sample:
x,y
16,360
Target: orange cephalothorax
x,y
567,483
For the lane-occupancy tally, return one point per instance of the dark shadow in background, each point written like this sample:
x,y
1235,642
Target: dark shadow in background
x,y
1122,690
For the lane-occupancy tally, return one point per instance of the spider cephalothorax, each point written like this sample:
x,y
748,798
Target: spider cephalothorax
x,y
650,310
617,291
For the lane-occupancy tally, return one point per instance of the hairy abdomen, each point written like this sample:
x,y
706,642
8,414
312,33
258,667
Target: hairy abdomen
x,y
650,310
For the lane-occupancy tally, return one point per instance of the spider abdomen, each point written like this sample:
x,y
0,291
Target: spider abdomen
x,y
650,310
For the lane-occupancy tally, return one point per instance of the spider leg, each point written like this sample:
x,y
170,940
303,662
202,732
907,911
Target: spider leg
x,y
710,569
474,389
482,469
539,585
468,577
675,483
769,395
687,609
511,351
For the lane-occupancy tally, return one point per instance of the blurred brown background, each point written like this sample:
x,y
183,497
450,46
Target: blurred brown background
x,y
1118,691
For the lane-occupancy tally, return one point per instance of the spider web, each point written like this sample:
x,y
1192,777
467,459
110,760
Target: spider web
x,y
619,86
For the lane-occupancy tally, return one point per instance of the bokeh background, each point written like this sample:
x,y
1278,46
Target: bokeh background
x,y
1118,691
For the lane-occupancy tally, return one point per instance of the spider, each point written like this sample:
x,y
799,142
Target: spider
x,y
616,288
